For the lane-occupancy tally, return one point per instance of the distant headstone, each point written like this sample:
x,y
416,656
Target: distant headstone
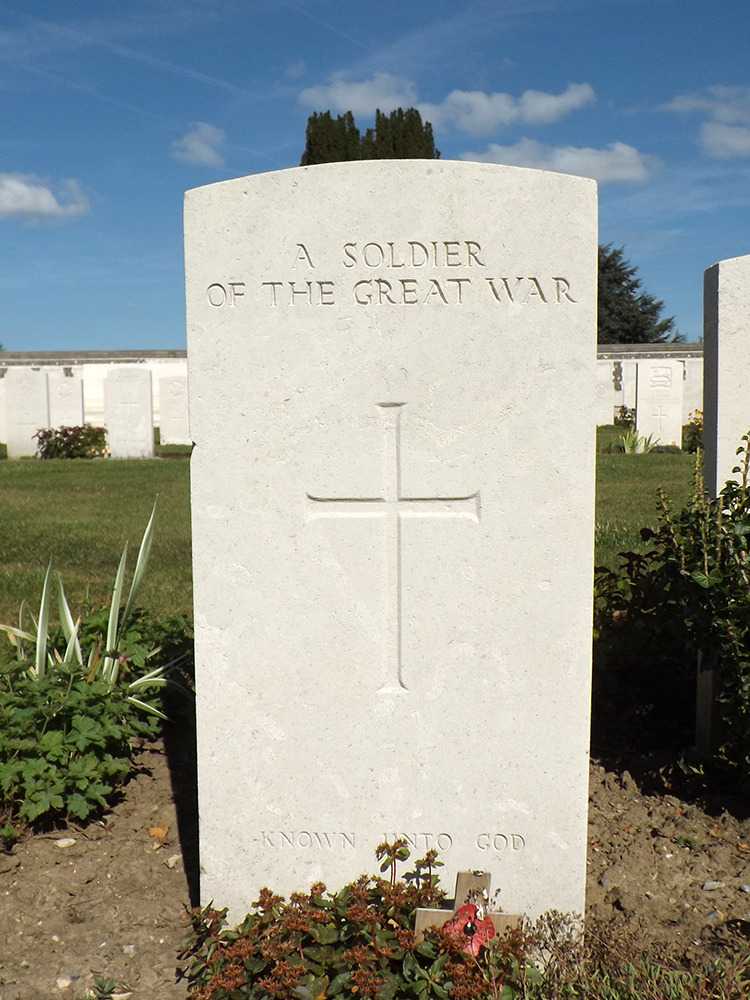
x,y
605,393
26,409
392,541
692,403
173,410
726,347
128,413
658,406
65,400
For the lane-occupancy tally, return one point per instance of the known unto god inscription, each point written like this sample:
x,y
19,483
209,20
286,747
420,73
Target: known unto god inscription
x,y
392,544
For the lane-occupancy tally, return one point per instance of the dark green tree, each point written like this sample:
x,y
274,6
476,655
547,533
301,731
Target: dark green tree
x,y
331,140
627,314
401,135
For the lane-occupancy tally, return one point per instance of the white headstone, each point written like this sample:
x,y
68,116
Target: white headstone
x,y
26,410
393,544
3,420
623,377
692,402
173,410
128,413
658,406
726,346
605,393
65,400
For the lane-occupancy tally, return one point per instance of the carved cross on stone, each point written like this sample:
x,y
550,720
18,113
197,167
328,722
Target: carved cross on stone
x,y
469,914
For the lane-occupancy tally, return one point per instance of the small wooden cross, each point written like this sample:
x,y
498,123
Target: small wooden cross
x,y
471,887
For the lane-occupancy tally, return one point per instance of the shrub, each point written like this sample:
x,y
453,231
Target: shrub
x,y
73,698
685,601
692,432
72,442
625,416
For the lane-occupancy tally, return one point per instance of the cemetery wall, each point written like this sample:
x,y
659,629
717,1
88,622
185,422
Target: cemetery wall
x,y
619,360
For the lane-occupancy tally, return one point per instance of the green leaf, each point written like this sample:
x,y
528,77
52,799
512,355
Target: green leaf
x,y
108,668
410,966
40,802
69,627
140,566
79,806
43,626
51,743
85,732
338,983
324,933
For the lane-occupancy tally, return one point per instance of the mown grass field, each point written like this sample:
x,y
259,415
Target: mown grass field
x,y
79,514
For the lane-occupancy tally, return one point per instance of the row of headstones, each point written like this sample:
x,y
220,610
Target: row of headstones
x,y
393,549
36,400
664,394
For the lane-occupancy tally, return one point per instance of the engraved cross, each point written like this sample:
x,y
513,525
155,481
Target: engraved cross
x,y
660,416
392,507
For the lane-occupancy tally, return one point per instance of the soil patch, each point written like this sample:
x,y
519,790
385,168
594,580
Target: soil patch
x,y
112,899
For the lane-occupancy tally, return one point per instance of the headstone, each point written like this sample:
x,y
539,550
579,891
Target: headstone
x,y
624,385
726,347
692,402
726,418
658,407
128,413
26,410
173,410
3,420
392,541
605,393
65,400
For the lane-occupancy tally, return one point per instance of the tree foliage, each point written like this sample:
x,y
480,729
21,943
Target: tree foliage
x,y
627,314
400,135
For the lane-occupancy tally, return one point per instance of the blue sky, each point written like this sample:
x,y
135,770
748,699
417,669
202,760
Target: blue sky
x,y
110,111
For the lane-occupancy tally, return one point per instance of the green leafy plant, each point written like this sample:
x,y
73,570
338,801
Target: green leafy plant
x,y
356,942
683,603
73,699
625,416
692,432
360,942
633,443
72,442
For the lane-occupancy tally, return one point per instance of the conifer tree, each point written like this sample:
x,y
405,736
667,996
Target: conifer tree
x,y
399,135
627,314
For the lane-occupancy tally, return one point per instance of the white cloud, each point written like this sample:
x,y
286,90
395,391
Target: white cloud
x,y
479,113
723,141
200,145
723,104
34,200
727,133
617,164
383,90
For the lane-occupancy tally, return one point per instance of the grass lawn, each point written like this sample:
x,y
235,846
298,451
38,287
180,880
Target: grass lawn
x,y
79,514
626,493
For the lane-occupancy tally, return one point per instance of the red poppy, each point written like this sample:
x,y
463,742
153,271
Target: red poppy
x,y
472,927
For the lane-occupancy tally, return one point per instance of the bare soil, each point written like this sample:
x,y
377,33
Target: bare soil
x,y
665,875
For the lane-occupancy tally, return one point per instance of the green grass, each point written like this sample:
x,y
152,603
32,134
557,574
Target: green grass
x,y
80,514
626,494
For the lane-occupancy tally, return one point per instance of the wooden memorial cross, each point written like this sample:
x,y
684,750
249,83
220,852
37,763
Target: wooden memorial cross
x,y
469,912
